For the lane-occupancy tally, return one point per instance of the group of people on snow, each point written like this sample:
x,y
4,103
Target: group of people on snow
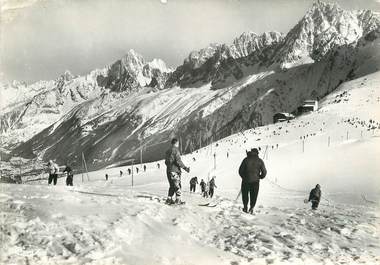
x,y
252,169
207,189
53,170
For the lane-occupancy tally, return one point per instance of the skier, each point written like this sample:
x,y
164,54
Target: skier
x,y
129,171
315,197
193,184
70,175
174,164
137,170
251,170
121,173
106,177
158,165
144,168
211,187
203,187
53,172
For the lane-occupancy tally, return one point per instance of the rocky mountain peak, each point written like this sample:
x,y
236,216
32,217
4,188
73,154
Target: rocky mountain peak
x,y
133,61
324,27
249,42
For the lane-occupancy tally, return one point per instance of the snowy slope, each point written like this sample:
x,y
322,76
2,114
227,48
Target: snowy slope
x,y
99,222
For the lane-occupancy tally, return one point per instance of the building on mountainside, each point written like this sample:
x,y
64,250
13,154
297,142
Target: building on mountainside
x,y
282,116
308,106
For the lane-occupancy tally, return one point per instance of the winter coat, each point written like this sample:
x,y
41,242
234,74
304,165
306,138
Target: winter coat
x,y
68,170
194,181
315,195
53,168
252,168
212,184
173,160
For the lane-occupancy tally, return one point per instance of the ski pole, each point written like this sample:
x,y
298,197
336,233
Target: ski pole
x,y
237,197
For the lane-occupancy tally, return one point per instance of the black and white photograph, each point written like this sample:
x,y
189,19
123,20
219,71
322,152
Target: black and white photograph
x,y
189,132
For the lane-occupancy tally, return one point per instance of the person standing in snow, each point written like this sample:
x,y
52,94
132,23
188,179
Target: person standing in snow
x,y
251,170
203,187
70,175
315,197
121,173
193,184
174,164
106,177
144,168
53,172
211,187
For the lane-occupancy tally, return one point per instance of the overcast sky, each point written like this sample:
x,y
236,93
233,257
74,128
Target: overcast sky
x,y
40,39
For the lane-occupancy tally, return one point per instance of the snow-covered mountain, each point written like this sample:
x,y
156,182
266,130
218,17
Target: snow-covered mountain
x,y
27,110
223,64
132,72
324,27
112,113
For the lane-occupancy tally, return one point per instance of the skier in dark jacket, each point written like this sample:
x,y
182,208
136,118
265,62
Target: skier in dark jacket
x,y
193,184
174,164
70,175
315,197
251,170
203,187
212,187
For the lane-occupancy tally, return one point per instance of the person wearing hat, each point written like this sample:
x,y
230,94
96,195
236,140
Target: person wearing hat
x,y
315,197
174,164
251,170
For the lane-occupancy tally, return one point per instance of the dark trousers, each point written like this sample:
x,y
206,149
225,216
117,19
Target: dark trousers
x,y
53,178
314,205
249,192
69,180
211,192
192,187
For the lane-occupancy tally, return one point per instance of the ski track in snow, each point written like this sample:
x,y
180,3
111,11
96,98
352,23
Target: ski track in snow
x,y
56,225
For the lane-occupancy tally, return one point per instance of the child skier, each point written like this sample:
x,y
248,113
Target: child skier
x,y
203,187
